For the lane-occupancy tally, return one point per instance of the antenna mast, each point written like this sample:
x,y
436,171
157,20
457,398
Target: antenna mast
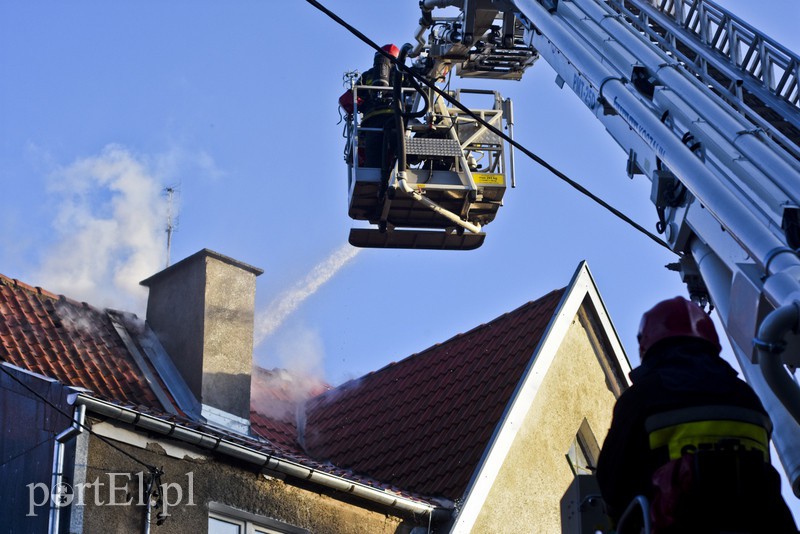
x,y
170,220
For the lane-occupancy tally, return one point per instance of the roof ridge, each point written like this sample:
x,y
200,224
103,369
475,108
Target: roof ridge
x,y
471,331
38,290
7,280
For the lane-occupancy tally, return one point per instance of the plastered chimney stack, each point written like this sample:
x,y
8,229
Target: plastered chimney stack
x,y
202,310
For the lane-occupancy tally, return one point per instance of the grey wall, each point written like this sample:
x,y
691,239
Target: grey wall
x,y
202,310
233,484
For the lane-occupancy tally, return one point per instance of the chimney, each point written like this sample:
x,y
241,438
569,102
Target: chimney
x,y
202,310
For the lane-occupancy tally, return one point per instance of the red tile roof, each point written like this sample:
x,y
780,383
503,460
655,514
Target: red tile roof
x,y
69,341
423,423
78,345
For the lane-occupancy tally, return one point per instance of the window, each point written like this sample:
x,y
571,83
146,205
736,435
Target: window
x,y
224,526
223,519
584,451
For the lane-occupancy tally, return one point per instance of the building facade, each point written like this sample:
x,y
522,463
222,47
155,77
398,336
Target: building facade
x,y
118,424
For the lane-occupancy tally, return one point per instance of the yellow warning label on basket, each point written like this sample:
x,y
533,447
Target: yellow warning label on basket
x,y
486,178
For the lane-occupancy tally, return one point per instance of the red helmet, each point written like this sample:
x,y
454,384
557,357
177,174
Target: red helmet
x,y
391,49
676,317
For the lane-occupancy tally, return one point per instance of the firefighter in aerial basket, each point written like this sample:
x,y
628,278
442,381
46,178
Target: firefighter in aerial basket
x,y
375,106
690,436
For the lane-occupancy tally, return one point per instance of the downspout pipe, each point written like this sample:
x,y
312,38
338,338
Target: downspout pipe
x,y
258,458
78,418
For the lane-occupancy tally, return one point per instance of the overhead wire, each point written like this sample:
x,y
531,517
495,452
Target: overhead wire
x,y
150,468
24,452
450,99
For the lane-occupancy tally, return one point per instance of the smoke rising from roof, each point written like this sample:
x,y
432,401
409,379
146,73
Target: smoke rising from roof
x,y
110,227
287,302
299,356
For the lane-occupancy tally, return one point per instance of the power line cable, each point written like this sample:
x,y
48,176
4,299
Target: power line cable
x,y
151,468
26,451
536,158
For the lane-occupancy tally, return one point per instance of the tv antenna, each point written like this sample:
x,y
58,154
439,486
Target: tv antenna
x,y
172,219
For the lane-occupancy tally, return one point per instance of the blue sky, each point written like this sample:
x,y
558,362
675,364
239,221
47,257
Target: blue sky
x,y
103,104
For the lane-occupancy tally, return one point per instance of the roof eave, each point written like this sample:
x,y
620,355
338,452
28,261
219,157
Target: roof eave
x,y
262,460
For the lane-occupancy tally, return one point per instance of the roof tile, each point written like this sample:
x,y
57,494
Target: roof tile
x,y
423,423
420,424
69,341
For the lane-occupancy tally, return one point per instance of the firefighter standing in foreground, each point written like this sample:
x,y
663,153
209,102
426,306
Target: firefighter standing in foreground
x,y
690,436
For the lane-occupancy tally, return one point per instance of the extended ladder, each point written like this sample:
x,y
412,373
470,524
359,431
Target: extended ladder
x,y
751,71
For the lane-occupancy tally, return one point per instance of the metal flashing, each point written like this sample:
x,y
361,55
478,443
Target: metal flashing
x,y
147,373
226,420
169,374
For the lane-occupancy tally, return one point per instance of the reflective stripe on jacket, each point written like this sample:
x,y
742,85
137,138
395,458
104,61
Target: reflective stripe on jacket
x,y
674,433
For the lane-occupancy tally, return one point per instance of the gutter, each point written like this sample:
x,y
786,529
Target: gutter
x,y
263,460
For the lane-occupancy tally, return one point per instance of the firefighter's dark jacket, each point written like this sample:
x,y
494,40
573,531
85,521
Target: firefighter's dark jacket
x,y
673,377
371,103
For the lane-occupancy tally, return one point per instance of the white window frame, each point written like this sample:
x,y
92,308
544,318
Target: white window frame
x,y
583,447
251,523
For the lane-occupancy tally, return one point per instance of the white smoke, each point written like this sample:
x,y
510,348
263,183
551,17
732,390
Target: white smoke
x,y
301,352
298,350
287,302
110,226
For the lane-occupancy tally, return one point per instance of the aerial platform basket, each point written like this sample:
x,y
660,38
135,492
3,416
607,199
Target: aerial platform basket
x,y
452,185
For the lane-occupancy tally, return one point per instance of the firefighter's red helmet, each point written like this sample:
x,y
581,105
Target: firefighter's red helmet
x,y
676,318
391,49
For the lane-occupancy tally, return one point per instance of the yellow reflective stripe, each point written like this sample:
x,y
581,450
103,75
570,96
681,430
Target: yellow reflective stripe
x,y
700,435
707,413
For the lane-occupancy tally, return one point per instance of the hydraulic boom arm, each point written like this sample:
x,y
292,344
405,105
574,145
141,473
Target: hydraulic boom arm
x,y
707,109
